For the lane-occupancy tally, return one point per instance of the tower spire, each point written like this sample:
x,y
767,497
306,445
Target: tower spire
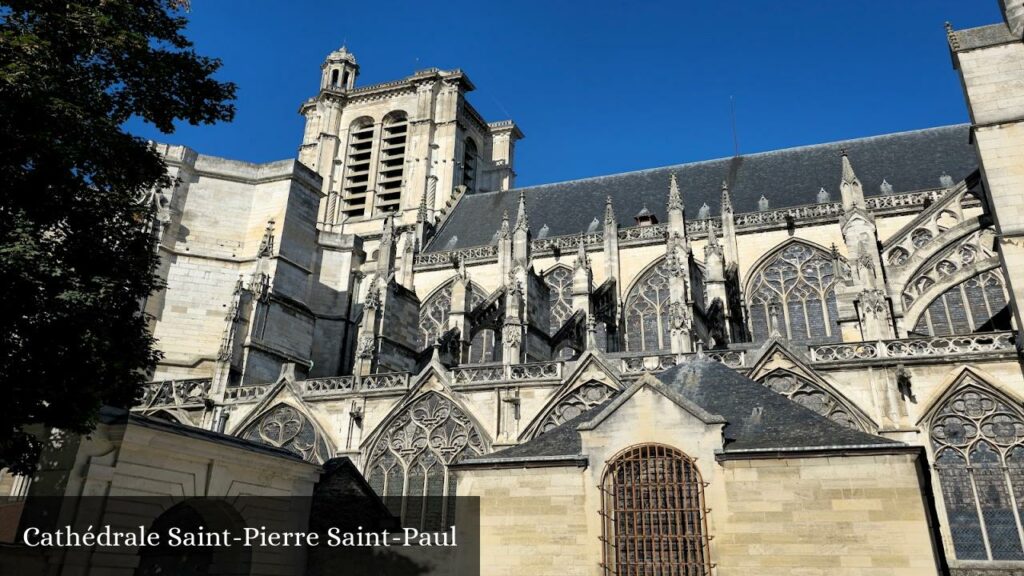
x,y
850,187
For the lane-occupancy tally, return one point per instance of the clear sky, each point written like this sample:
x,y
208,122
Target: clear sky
x,y
601,87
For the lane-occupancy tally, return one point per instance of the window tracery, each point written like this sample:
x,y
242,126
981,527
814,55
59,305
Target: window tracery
x,y
963,253
796,286
655,521
285,427
810,395
978,304
559,281
434,322
646,311
978,442
579,401
411,458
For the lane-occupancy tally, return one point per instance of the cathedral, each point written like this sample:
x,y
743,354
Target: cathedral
x,y
803,361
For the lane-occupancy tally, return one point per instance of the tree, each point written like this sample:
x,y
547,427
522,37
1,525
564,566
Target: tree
x,y
77,257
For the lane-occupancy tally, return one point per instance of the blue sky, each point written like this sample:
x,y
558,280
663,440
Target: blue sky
x,y
604,86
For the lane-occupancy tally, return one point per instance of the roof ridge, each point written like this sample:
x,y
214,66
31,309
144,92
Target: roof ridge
x,y
725,158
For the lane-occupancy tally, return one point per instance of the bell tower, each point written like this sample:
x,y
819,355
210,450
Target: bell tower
x,y
339,70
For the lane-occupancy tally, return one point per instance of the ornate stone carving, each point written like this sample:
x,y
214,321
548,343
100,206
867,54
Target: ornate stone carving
x,y
810,395
579,401
365,347
285,427
512,334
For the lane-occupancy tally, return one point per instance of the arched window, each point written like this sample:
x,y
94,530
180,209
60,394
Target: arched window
x,y
559,281
575,403
411,458
978,304
285,427
469,165
357,167
654,516
646,311
810,395
392,163
978,441
796,285
334,78
434,322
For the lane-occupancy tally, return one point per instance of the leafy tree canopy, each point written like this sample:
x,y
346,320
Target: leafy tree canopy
x,y
77,255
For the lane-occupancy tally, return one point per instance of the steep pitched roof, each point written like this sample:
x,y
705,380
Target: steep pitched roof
x,y
792,177
719,390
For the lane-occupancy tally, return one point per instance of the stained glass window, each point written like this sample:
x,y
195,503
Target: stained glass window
x,y
411,458
646,311
797,286
977,304
978,442
654,515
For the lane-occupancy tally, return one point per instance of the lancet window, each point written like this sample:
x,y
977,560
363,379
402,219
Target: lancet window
x,y
434,322
408,463
795,289
977,438
559,281
646,311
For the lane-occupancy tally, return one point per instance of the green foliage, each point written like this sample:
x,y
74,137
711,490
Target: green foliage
x,y
76,255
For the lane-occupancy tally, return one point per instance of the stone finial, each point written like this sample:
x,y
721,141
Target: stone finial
x,y
704,211
726,198
823,196
421,213
609,212
504,230
267,242
581,254
342,54
885,187
594,225
849,176
946,180
762,203
952,37
850,189
522,220
675,200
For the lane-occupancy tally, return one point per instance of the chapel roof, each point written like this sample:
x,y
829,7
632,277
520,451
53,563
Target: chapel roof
x,y
909,161
720,391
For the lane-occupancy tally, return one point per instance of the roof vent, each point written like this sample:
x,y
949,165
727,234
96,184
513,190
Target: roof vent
x,y
645,217
756,415
886,188
704,211
824,196
946,180
451,242
762,204
594,225
544,231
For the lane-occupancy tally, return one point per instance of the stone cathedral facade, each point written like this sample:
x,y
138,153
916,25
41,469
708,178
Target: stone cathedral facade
x,y
812,352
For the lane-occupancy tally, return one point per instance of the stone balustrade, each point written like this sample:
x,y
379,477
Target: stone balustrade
x,y
192,392
921,347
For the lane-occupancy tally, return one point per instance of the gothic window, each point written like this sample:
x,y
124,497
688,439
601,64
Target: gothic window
x,y
408,463
469,164
646,312
978,442
285,427
978,304
796,287
356,183
559,281
579,401
810,395
654,516
392,163
434,322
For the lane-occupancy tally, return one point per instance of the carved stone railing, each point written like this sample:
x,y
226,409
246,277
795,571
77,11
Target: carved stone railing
x,y
246,393
640,362
385,381
327,386
566,243
189,393
481,374
535,371
642,233
450,256
932,346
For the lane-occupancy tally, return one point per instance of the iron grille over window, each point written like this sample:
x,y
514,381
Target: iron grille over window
x,y
796,286
978,440
654,517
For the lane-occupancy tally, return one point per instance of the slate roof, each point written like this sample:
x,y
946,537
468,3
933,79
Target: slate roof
x,y
909,161
721,391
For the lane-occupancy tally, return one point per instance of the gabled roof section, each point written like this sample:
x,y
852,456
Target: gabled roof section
x,y
756,418
909,161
